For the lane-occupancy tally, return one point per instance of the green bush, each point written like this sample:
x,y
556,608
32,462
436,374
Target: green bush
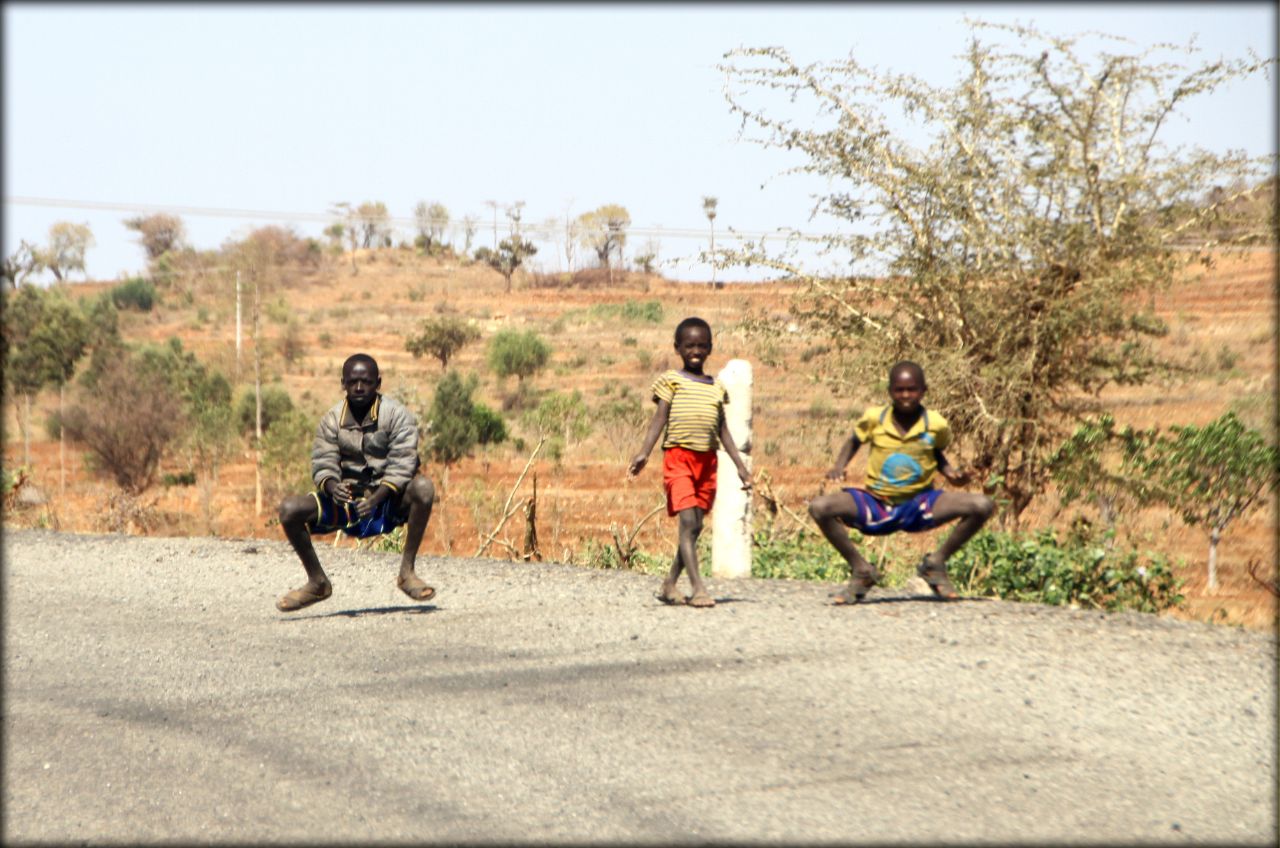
x,y
1081,570
134,293
644,312
276,404
801,556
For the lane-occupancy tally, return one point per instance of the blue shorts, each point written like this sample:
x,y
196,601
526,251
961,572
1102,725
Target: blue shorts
x,y
331,515
874,517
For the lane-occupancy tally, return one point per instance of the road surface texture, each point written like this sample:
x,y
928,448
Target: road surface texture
x,y
153,693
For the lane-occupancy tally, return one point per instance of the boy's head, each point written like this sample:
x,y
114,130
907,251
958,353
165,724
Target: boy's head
x,y
360,378
693,343
906,387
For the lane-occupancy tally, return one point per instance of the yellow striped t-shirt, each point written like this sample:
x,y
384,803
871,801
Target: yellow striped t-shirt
x,y
696,410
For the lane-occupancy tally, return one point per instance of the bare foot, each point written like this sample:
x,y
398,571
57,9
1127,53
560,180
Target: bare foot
x,y
414,586
668,595
700,598
304,596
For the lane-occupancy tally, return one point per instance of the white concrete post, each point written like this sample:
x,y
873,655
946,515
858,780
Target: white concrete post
x,y
731,514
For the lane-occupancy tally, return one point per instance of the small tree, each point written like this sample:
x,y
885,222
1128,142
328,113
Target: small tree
x,y
604,230
276,406
66,250
1103,466
563,416
519,354
441,337
509,256
374,223
1213,475
286,454
126,445
431,220
158,234
469,226
21,264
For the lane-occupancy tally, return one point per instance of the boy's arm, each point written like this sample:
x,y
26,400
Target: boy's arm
x,y
326,468
402,463
726,441
656,424
847,450
953,476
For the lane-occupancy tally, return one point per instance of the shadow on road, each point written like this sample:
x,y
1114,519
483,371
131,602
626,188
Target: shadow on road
x,y
418,609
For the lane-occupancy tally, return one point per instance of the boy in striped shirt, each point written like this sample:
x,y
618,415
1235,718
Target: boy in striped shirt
x,y
691,410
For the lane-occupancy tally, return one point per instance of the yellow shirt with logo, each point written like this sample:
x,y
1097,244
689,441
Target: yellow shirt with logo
x,y
696,411
901,466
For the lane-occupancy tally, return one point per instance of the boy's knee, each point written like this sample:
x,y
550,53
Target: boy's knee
x,y
422,490
984,507
822,508
295,509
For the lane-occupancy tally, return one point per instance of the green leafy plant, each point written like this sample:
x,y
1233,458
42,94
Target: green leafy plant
x,y
1213,475
1081,570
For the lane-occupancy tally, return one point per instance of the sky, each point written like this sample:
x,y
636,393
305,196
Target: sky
x,y
225,112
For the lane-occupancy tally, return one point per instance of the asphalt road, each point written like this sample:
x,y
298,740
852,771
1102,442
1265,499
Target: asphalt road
x,y
152,693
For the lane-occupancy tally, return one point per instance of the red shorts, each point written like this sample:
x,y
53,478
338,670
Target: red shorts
x,y
689,478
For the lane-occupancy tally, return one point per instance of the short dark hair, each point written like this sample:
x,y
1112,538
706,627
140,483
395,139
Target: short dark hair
x,y
692,321
907,365
360,357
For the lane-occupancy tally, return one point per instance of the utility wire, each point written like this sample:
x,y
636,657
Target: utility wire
x,y
454,224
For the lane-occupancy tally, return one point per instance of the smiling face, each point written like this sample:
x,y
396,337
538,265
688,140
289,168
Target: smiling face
x,y
906,390
694,346
361,382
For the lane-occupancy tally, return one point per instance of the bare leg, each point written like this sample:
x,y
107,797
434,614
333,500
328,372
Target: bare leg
x,y
830,512
295,512
972,509
668,594
690,529
421,496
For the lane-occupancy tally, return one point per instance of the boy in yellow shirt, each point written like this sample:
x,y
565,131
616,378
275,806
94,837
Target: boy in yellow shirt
x,y
691,411
907,443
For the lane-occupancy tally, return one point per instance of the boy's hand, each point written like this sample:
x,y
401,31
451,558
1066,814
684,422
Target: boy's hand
x,y
366,505
637,464
835,474
745,476
339,491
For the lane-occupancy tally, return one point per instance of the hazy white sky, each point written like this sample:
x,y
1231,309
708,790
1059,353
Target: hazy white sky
x,y
292,108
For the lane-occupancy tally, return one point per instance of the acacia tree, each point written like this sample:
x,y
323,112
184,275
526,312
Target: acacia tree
x,y
374,223
508,258
431,220
66,249
997,231
159,233
604,230
22,263
442,338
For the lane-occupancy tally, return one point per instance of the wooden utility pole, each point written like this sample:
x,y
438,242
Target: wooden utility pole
x,y
237,325
257,399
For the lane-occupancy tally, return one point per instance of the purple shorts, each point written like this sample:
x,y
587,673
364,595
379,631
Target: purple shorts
x,y
874,517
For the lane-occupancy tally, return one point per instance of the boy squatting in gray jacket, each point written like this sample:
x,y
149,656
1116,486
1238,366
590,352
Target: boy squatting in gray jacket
x,y
365,466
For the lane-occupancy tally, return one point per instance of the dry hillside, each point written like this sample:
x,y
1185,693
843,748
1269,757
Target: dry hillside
x,y
1225,322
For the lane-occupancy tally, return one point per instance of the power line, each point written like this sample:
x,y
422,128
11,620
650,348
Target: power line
x,y
453,225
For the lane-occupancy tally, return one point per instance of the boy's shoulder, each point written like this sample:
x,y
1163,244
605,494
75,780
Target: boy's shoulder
x,y
393,410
